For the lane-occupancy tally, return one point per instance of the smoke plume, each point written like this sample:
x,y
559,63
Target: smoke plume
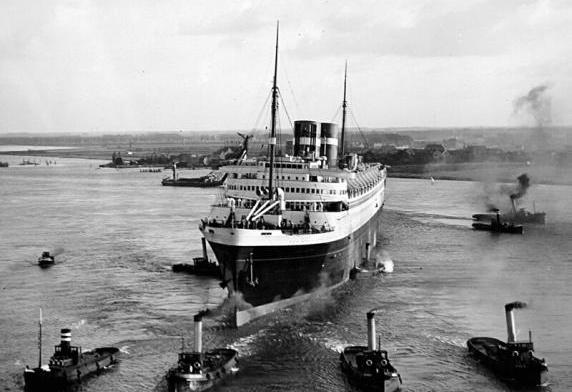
x,y
227,308
57,251
522,186
492,195
536,104
321,304
515,305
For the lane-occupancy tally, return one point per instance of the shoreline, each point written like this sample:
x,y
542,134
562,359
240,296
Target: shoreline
x,y
500,172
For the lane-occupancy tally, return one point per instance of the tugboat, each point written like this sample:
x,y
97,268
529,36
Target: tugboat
x,y
46,259
201,266
368,368
496,226
68,366
513,361
198,370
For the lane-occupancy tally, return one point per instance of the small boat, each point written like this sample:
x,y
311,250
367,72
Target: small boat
x,y
210,180
497,226
201,266
513,361
198,370
367,367
361,272
27,162
69,365
46,259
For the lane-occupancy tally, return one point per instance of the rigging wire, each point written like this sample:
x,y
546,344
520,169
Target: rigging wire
x,y
365,143
262,111
285,110
351,112
337,114
284,70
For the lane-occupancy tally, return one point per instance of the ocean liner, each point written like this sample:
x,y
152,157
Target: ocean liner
x,y
293,224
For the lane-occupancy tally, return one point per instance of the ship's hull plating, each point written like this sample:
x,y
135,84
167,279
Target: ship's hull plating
x,y
264,274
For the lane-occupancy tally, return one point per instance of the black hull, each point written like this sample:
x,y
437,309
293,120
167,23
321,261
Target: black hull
x,y
498,356
379,379
182,381
277,273
211,269
62,378
200,182
496,228
191,183
520,218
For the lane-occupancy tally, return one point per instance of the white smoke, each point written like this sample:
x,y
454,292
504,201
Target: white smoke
x,y
383,260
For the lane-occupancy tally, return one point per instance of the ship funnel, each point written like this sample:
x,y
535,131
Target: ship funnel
x,y
204,243
510,325
371,330
329,143
199,330
306,138
513,203
65,340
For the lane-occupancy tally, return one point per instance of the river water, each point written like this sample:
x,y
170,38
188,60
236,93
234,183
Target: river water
x,y
117,232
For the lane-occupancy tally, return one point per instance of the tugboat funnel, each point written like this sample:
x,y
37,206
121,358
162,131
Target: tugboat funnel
x,y
204,243
510,325
371,330
65,340
198,332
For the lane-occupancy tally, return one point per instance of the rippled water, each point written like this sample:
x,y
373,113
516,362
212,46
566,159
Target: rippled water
x,y
119,231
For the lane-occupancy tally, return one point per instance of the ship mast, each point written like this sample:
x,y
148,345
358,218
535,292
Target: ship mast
x,y
344,106
272,140
40,341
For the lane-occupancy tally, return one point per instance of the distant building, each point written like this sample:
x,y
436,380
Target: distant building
x,y
476,152
453,144
385,148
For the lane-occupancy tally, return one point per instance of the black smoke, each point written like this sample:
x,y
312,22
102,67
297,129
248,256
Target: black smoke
x,y
492,194
522,186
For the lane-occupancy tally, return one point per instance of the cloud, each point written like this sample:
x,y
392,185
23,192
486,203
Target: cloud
x,y
173,64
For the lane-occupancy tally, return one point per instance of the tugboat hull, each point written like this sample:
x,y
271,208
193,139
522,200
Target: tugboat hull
x,y
200,267
510,364
218,364
46,260
369,370
499,228
56,377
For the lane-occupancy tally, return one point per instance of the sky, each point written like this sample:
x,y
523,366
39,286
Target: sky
x,y
128,66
